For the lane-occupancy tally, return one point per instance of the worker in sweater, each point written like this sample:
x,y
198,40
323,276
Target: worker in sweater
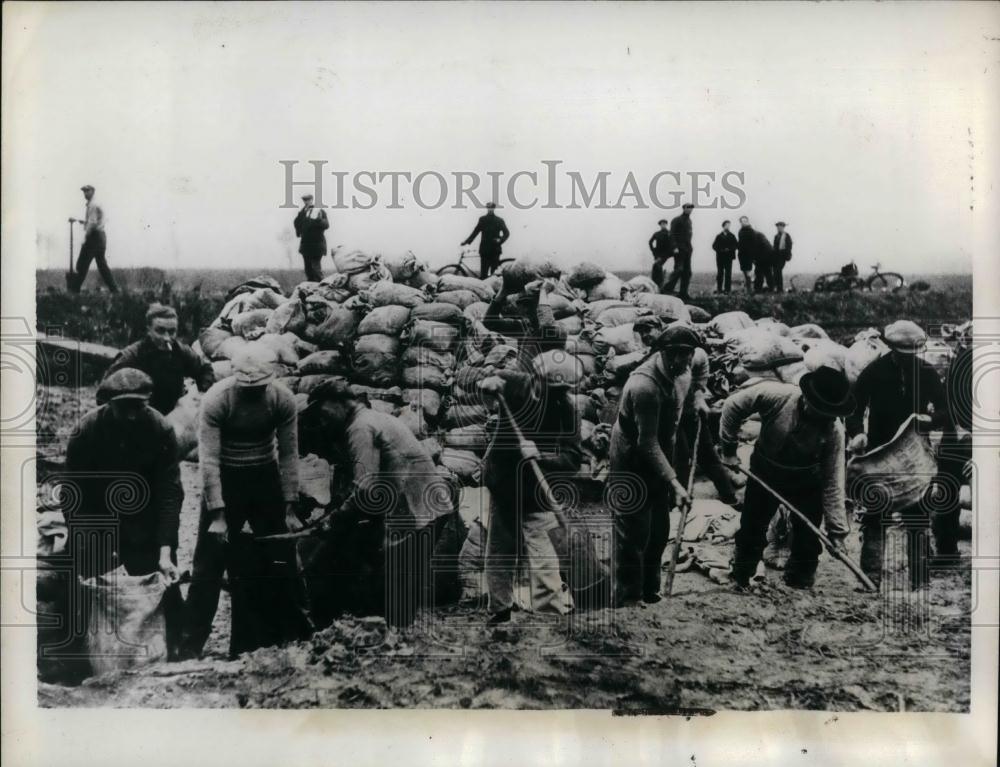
x,y
164,359
643,485
800,452
248,450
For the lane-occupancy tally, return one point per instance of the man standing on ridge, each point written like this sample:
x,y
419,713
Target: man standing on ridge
x,y
493,234
681,232
662,248
310,224
95,244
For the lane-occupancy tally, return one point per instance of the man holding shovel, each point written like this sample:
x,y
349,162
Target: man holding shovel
x,y
95,244
801,451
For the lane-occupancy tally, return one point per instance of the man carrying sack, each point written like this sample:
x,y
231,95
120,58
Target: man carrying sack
x,y
800,451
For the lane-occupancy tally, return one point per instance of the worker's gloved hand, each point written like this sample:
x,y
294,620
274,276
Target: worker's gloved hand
x,y
292,522
529,450
491,385
858,444
218,528
681,498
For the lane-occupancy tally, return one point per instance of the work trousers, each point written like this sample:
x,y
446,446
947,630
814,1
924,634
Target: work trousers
x,y
763,277
642,529
519,536
265,586
314,267
489,260
681,273
758,508
94,247
657,274
778,277
723,274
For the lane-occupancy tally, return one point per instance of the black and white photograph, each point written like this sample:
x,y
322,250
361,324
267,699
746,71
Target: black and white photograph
x,y
433,358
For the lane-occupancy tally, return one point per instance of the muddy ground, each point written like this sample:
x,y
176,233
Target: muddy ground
x,y
705,649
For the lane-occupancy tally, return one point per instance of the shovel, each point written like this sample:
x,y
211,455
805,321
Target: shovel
x,y
685,510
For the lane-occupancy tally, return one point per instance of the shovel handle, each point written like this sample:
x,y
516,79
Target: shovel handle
x,y
685,510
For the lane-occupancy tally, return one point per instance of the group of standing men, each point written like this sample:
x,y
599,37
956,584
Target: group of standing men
x,y
761,262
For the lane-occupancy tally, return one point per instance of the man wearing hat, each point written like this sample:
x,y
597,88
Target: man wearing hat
x,y
397,507
800,452
890,390
164,359
662,248
310,224
643,485
782,255
541,406
681,233
493,233
125,511
95,244
248,451
724,245
533,324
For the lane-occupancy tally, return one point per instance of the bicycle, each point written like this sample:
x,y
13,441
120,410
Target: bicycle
x,y
462,269
849,279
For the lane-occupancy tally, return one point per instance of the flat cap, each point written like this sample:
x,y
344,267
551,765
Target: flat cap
x,y
253,366
559,368
676,337
127,383
86,188
334,389
780,223
687,206
905,336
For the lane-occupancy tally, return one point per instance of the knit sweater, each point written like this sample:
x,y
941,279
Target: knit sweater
x,y
240,432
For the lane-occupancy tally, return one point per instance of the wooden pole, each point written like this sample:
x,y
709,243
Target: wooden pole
x,y
685,510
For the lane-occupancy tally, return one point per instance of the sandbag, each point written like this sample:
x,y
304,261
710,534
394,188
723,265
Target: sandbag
x,y
586,275
426,377
222,369
427,399
422,355
184,420
433,447
282,347
773,325
618,367
697,314
290,317
622,315
622,338
579,345
727,322
464,464
595,309
385,320
382,406
337,330
126,626
861,354
438,312
895,475
473,312
386,393
571,325
464,415
527,269
375,361
412,417
388,293
449,282
424,278
609,288
364,280
329,362
402,267
230,348
433,335
808,330
472,438
670,308
308,383
826,353
211,339
314,479
351,261
642,284
460,298
251,324
589,363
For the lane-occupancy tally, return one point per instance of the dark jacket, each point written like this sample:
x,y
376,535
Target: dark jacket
x,y
785,253
662,244
493,231
681,232
126,475
552,425
310,230
533,336
725,245
754,247
168,369
891,393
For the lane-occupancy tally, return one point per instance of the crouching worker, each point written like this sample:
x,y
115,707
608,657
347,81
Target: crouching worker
x,y
123,461
249,463
642,485
520,521
800,453
398,505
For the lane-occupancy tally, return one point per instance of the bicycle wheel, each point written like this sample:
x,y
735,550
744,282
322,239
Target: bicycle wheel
x,y
453,269
886,282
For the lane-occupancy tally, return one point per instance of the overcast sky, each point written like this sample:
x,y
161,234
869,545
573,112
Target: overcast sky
x,y
857,124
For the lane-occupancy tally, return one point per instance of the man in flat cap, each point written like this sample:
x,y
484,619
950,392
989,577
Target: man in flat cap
x,y
681,233
493,233
800,452
890,390
95,244
782,255
164,359
125,511
248,451
662,248
310,224
643,485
